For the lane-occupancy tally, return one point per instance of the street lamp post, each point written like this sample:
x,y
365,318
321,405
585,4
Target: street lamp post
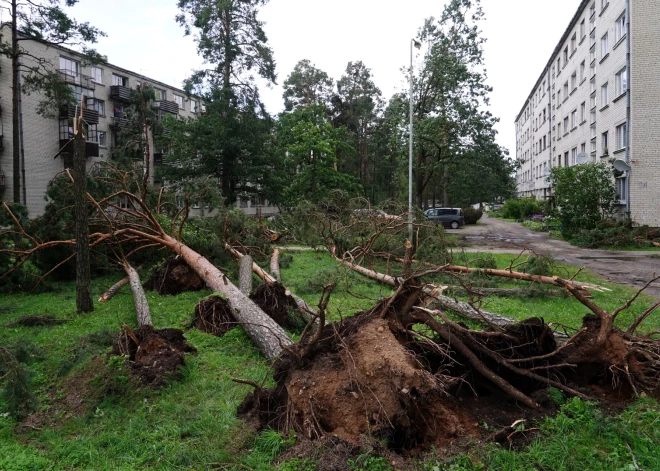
x,y
410,138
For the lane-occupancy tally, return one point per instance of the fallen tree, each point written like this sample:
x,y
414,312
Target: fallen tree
x,y
136,225
506,273
410,376
435,293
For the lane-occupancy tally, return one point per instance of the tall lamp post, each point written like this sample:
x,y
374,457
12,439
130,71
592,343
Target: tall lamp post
x,y
410,154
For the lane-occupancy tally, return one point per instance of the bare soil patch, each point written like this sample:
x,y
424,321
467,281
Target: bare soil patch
x,y
174,277
156,355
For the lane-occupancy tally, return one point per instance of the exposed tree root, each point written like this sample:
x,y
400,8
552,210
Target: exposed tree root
x,y
155,355
400,371
174,277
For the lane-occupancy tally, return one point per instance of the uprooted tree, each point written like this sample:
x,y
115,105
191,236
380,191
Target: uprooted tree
x,y
391,370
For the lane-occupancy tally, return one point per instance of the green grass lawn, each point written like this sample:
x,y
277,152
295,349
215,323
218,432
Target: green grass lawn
x,y
191,424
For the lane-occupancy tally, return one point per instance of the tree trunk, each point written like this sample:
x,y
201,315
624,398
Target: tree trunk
x,y
459,307
15,91
261,273
264,332
84,301
275,265
113,290
139,298
245,275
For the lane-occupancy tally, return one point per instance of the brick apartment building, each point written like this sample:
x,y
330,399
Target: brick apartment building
x,y
598,100
106,88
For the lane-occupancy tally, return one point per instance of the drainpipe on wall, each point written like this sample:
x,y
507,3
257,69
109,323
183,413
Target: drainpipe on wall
x,y
628,106
20,127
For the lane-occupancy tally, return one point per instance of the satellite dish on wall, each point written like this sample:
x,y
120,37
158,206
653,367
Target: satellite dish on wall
x,y
621,165
582,158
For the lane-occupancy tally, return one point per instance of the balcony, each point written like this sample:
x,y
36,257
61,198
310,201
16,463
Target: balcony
x,y
91,149
91,116
166,106
119,122
70,76
120,93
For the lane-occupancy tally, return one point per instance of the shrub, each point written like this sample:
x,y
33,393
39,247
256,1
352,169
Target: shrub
x,y
520,208
584,194
535,226
472,215
615,234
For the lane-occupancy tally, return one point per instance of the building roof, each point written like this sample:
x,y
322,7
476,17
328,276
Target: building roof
x,y
118,68
557,50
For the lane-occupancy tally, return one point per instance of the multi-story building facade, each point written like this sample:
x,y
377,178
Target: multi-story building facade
x,y
106,90
598,100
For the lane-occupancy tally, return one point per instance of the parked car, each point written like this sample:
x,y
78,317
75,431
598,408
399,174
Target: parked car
x,y
449,217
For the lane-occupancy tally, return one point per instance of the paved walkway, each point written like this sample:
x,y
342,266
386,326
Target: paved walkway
x,y
634,269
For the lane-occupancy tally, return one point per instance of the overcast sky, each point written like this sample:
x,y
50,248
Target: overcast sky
x,y
144,37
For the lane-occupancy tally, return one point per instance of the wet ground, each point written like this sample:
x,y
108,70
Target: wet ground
x,y
624,267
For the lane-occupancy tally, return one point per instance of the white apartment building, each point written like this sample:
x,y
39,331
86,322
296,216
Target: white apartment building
x,y
106,89
598,100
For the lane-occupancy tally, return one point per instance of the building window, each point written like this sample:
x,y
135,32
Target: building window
x,y
621,82
583,147
583,70
566,90
603,143
102,139
545,145
592,9
79,91
592,70
574,81
604,49
604,99
566,159
119,80
193,106
593,118
573,43
620,28
243,201
559,129
621,136
583,112
160,94
574,122
565,56
69,67
592,101
97,75
622,189
582,30
566,125
99,106
573,155
179,101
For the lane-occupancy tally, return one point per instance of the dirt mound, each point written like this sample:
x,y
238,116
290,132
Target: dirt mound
x,y
174,277
275,301
156,355
360,380
212,315
415,379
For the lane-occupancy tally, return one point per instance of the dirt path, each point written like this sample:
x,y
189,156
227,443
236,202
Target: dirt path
x,y
630,268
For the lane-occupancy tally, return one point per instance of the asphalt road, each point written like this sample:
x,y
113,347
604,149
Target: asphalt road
x,y
634,269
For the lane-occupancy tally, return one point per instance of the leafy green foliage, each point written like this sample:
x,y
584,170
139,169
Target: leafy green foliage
x,y
16,391
520,208
308,145
616,234
535,226
306,86
370,463
584,194
472,215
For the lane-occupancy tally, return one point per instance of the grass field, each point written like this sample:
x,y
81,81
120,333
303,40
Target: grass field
x,y
191,424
